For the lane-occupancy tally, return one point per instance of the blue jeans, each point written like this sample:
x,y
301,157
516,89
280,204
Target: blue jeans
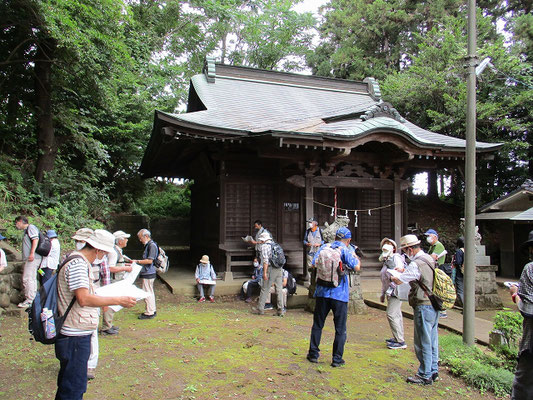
x,y
340,313
426,340
73,353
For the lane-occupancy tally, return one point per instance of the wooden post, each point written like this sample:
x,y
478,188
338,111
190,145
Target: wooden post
x,y
398,211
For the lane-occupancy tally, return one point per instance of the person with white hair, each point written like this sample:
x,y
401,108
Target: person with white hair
x,y
75,289
148,272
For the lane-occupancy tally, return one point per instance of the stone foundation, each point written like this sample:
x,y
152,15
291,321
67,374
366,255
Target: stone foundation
x,y
11,278
487,297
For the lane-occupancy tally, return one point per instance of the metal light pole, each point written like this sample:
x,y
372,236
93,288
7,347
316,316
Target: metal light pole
x,y
470,184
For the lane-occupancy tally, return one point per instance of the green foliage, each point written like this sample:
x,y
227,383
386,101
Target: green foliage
x,y
509,324
162,199
479,369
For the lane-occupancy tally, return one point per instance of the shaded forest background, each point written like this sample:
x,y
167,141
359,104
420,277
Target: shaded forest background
x,y
80,81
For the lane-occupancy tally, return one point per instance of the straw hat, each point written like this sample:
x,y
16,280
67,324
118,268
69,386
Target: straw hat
x,y
83,234
204,259
102,240
408,241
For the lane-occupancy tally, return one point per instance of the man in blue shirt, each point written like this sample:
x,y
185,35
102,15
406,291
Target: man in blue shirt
x,y
148,273
334,299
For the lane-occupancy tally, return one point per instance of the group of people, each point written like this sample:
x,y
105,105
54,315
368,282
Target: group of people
x,y
97,260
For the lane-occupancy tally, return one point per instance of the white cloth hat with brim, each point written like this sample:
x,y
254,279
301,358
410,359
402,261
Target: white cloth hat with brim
x,y
387,250
385,240
121,235
408,241
264,237
204,259
83,234
102,240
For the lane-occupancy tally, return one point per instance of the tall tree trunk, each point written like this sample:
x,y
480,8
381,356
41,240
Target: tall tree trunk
x,y
46,141
433,192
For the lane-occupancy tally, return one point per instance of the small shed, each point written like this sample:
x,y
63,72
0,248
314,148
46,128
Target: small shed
x,y
281,147
506,223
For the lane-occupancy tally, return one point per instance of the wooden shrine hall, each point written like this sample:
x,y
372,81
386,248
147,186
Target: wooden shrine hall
x,y
282,147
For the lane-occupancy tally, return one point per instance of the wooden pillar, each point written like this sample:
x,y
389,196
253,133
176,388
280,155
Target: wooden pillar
x,y
398,211
309,210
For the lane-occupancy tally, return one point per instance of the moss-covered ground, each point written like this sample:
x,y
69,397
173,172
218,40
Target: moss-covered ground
x,y
222,351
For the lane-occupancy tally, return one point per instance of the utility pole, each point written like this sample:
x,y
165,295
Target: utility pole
x,y
469,306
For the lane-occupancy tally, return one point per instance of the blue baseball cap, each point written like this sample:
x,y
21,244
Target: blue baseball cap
x,y
2,237
51,234
431,232
343,233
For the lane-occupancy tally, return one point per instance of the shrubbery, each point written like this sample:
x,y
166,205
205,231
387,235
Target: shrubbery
x,y
482,369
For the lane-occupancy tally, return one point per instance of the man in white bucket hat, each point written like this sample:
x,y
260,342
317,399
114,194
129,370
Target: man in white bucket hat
x,y
426,318
74,285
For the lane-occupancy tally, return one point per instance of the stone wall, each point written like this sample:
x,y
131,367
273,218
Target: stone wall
x,y
11,278
487,297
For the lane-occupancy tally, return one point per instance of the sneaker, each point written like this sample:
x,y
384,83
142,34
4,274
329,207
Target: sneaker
x,y
435,377
443,314
281,313
91,373
336,364
201,299
116,328
396,345
313,360
24,304
110,331
418,380
268,306
146,316
391,340
211,299
248,300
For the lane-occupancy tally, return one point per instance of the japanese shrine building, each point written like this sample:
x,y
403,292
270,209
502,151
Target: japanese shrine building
x,y
281,147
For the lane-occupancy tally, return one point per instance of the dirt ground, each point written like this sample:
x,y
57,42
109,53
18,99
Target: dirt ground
x,y
222,351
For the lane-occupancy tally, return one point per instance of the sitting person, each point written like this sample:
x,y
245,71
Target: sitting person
x,y
284,280
249,286
205,276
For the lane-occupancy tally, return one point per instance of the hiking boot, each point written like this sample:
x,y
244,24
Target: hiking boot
x,y
268,306
281,313
257,311
211,299
336,364
313,360
418,380
201,299
110,331
391,340
146,316
435,377
116,328
91,373
248,300
396,345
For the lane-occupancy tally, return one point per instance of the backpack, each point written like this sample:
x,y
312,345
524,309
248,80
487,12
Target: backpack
x,y
329,267
291,284
43,246
46,297
442,295
161,262
277,258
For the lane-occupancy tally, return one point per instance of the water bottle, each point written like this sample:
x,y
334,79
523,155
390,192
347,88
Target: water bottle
x,y
49,326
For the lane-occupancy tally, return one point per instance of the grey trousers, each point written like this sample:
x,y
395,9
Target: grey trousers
x,y
274,277
394,315
523,378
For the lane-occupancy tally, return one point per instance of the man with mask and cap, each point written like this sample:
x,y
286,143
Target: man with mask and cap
x,y
312,241
75,286
334,299
523,296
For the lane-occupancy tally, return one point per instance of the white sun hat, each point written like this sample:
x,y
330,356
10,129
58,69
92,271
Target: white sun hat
x,y
102,240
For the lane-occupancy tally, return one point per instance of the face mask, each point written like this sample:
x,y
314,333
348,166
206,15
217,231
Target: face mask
x,y
80,245
256,264
429,239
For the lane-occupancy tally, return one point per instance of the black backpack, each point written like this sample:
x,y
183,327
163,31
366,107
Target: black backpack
x,y
46,297
277,259
291,284
43,246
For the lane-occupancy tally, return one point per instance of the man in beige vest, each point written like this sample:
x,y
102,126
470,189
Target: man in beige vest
x,y
73,343
426,318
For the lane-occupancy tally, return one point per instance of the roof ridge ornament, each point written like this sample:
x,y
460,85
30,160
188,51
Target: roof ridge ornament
x,y
373,88
209,69
383,109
